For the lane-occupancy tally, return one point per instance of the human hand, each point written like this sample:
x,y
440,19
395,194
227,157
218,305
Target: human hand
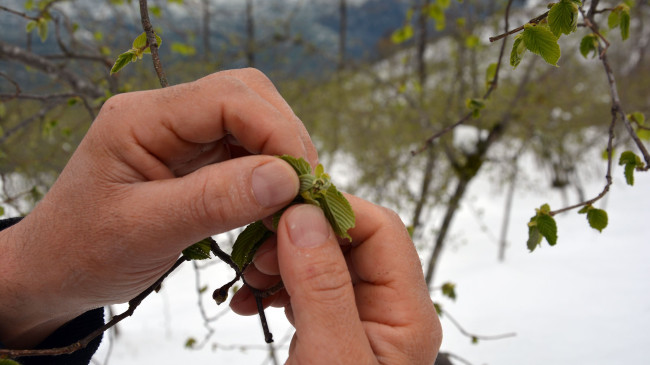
x,y
362,302
157,171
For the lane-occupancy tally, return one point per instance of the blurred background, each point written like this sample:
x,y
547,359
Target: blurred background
x,y
377,82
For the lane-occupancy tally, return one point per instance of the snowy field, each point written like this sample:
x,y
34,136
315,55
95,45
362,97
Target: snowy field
x,y
584,301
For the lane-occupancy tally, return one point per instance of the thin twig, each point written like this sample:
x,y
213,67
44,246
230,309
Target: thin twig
x,y
475,336
7,97
133,304
518,29
493,86
152,43
20,14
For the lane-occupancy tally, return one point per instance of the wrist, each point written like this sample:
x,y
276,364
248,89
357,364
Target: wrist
x,y
30,309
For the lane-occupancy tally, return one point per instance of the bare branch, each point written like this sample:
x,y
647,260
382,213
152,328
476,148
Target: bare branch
x,y
78,84
133,304
473,335
152,43
20,14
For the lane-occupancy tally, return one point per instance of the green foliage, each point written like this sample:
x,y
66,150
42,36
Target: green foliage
x,y
199,251
8,362
183,49
563,17
316,189
540,40
518,50
190,343
138,49
248,242
403,34
41,27
619,17
449,290
542,225
475,105
589,44
597,218
631,162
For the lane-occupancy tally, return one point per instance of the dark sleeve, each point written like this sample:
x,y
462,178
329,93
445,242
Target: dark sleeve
x,y
67,334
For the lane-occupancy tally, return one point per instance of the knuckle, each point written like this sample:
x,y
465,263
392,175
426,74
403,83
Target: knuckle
x,y
327,282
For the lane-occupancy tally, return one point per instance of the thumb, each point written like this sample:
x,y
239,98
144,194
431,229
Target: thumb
x,y
213,199
316,277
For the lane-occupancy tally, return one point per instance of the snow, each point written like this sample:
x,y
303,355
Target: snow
x,y
584,301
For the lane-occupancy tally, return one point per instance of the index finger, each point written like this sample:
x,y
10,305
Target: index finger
x,y
174,124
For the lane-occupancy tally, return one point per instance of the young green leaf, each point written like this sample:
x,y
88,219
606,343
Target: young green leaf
x,y
338,212
589,44
31,25
597,219
637,117
614,19
563,17
547,228
534,237
540,40
122,60
631,161
449,290
42,29
199,251
301,166
443,3
490,73
402,34
247,243
518,50
585,209
625,23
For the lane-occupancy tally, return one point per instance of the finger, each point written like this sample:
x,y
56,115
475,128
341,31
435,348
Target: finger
x,y
174,213
391,292
316,277
266,257
160,130
244,304
265,88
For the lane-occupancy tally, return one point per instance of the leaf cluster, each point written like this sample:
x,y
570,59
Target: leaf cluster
x,y
541,225
139,48
631,161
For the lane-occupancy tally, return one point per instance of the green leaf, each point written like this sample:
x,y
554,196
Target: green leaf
x,y
155,10
637,117
625,24
585,209
589,44
190,342
614,19
534,237
183,49
306,182
402,34
31,25
140,41
301,166
563,17
597,219
518,50
443,3
338,211
490,73
472,41
548,228
29,5
541,41
42,29
628,158
545,208
122,60
8,362
438,308
248,242
629,174
199,251
2,210
449,290
474,340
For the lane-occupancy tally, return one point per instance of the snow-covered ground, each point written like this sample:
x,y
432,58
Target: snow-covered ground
x,y
584,301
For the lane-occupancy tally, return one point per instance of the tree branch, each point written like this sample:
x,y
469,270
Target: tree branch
x,y
152,43
78,84
133,304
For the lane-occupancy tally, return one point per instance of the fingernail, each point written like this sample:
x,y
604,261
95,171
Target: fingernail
x,y
307,226
274,183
